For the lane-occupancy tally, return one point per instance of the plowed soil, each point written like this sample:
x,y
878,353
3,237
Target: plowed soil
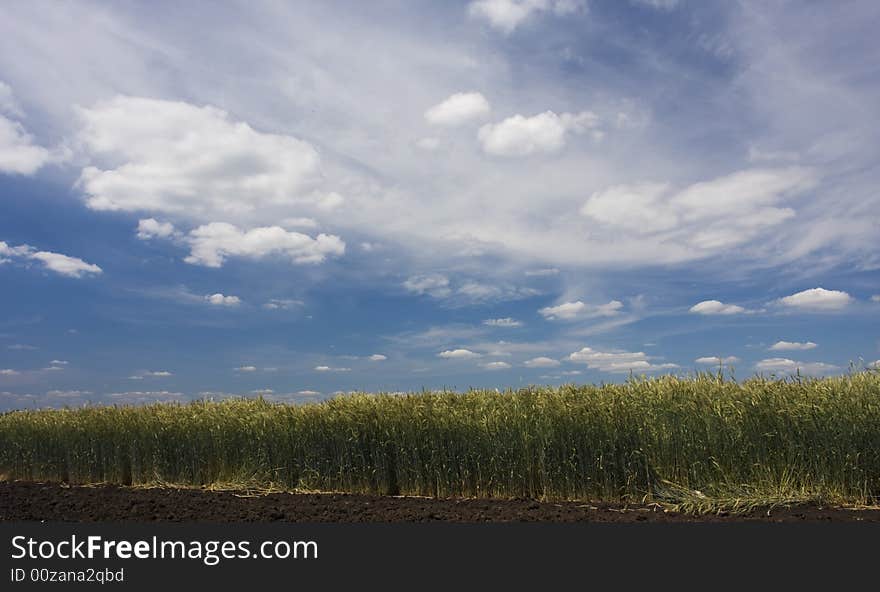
x,y
52,502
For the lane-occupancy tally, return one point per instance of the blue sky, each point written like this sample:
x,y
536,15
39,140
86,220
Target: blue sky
x,y
295,199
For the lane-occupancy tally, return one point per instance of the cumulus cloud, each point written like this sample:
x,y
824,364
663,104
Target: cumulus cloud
x,y
793,345
580,310
503,322
617,362
716,360
65,265
222,300
378,358
331,369
195,162
787,366
544,132
56,262
507,15
708,215
496,366
151,228
456,110
246,369
875,298
818,299
9,372
18,153
458,354
213,243
716,307
541,362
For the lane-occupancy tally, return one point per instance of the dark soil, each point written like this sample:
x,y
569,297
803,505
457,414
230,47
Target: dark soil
x,y
20,501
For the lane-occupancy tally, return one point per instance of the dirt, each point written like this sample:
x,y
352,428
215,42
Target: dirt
x,y
20,501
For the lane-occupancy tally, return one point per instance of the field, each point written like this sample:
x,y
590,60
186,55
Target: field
x,y
703,444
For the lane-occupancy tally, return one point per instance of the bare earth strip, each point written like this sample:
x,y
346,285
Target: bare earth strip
x,y
21,501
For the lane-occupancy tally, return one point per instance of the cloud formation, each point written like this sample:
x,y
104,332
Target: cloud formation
x,y
189,161
507,15
792,345
788,366
65,265
620,362
817,299
545,132
213,243
457,109
579,310
716,307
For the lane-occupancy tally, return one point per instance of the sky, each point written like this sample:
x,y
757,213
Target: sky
x,y
296,199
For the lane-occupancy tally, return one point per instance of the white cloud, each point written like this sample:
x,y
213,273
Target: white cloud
x,y
212,243
308,393
716,307
818,299
707,216
507,15
65,265
282,304
457,109
9,372
151,228
221,300
792,345
636,208
496,366
874,365
60,264
195,162
503,322
474,291
331,369
617,362
541,362
378,358
544,132
59,362
158,373
875,298
787,366
580,310
716,360
246,369
18,153
458,354
432,284
21,347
